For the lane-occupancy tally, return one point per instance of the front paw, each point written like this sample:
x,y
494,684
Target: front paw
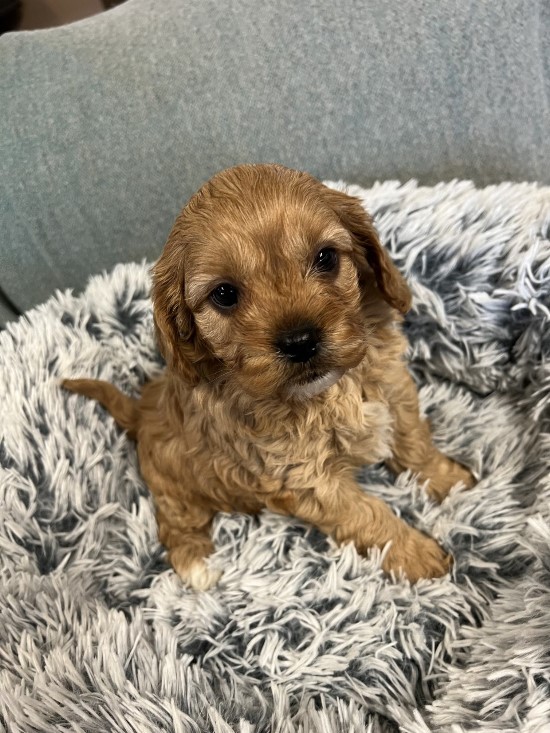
x,y
444,473
417,556
195,572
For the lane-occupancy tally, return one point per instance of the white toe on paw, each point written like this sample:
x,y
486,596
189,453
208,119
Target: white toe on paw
x,y
199,576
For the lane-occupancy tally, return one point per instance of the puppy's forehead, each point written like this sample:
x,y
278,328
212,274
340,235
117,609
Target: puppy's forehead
x,y
260,235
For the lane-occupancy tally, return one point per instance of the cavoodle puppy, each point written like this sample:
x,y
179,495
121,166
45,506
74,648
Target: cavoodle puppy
x,y
278,313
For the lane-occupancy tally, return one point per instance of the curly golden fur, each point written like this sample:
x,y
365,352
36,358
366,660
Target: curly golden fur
x,y
285,379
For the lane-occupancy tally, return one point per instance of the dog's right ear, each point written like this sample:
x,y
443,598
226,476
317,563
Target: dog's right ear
x,y
177,337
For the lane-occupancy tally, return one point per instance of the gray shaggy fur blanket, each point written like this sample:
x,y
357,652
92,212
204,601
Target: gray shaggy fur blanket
x,y
98,634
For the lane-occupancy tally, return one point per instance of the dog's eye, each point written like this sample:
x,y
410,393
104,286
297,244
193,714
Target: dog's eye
x,y
326,260
225,296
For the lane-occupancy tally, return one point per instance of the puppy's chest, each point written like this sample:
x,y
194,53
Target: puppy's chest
x,y
294,447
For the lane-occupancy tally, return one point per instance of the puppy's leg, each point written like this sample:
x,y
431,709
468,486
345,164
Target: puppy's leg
x,y
186,536
413,447
345,512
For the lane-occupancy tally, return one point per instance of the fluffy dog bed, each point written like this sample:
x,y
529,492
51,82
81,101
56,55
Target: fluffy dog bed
x,y
97,632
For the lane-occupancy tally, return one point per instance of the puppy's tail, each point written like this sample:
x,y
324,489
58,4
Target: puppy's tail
x,y
123,408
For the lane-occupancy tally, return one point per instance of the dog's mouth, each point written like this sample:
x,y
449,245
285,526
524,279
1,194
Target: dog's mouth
x,y
313,383
311,376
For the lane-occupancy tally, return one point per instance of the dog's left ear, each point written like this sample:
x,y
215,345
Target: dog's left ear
x,y
391,283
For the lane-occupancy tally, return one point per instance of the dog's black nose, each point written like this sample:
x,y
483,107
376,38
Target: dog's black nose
x,y
299,344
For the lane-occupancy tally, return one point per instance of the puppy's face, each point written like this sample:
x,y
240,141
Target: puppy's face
x,y
271,281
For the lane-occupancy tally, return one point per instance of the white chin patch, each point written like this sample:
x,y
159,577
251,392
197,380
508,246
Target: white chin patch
x,y
312,389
